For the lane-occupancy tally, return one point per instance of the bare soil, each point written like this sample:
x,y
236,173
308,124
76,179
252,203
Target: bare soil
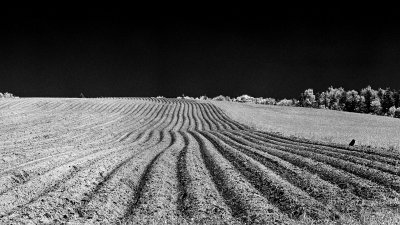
x,y
170,161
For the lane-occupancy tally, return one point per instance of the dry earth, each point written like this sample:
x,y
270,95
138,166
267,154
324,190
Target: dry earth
x,y
152,161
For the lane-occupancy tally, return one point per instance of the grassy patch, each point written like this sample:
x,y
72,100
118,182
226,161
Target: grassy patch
x,y
317,124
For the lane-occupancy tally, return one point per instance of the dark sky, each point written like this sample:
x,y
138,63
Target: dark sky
x,y
269,53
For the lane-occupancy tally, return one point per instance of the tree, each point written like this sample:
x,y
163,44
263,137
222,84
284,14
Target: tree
x,y
342,98
285,102
308,98
369,95
387,100
270,101
323,100
317,102
331,97
360,108
352,101
266,101
396,98
380,93
397,113
392,110
376,106
336,98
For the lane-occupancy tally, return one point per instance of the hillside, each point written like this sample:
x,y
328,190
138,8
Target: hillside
x,y
318,124
170,161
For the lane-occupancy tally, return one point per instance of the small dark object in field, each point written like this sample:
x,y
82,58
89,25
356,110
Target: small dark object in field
x,y
352,142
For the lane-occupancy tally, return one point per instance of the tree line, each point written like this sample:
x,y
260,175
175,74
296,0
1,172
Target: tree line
x,y
380,102
7,95
367,100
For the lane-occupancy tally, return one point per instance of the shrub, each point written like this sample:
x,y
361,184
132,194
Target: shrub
x,y
397,113
307,98
270,101
203,97
7,95
392,110
376,106
285,102
352,100
369,95
245,98
222,98
387,100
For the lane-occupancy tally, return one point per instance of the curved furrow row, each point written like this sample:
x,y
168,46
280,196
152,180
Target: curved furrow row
x,y
392,157
176,161
173,119
204,125
287,197
130,122
155,118
190,115
151,122
222,124
64,121
218,124
4,104
110,200
39,117
163,120
178,121
110,107
183,117
61,140
166,123
246,203
67,153
225,118
25,104
186,119
359,186
157,199
372,158
204,115
380,177
228,123
16,177
201,201
196,120
35,175
17,109
68,188
373,162
323,191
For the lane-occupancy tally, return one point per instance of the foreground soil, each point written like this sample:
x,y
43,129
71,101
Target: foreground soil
x,y
170,161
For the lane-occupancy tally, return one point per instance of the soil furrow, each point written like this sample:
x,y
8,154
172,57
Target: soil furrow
x,y
286,197
246,203
347,181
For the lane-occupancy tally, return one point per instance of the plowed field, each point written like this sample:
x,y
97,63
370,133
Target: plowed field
x,y
152,161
